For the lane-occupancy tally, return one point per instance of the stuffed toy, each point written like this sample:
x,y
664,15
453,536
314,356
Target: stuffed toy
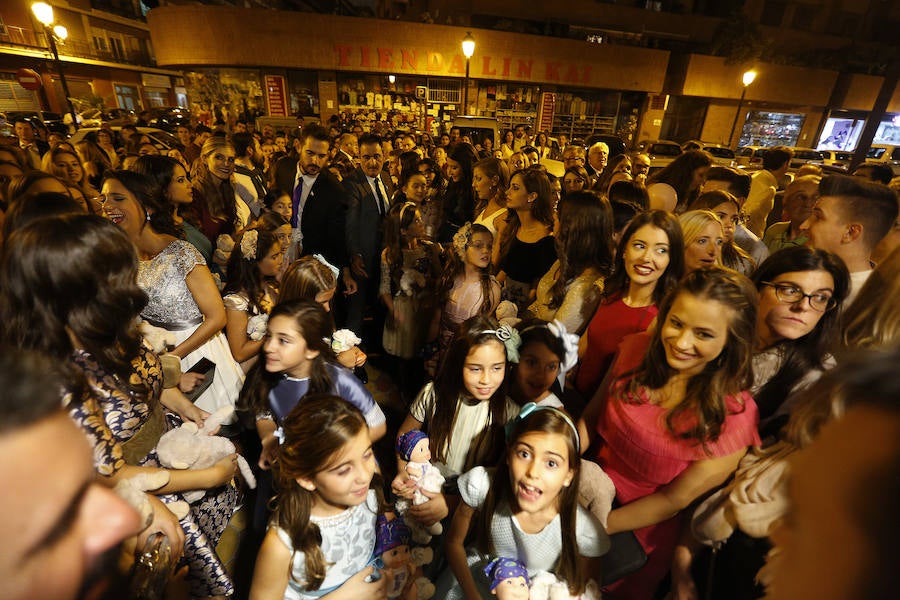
x,y
510,581
596,491
224,248
412,447
411,281
190,447
134,491
507,313
392,539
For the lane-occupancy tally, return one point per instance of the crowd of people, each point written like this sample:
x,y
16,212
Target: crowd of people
x,y
632,383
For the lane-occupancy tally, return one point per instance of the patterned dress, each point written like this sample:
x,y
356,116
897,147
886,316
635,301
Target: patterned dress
x,y
123,428
414,299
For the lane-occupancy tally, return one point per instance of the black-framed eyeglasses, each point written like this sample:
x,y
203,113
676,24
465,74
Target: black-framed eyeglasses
x,y
791,294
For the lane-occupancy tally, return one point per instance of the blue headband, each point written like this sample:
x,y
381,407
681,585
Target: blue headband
x,y
532,407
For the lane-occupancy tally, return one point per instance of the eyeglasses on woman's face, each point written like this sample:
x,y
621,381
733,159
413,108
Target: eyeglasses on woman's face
x,y
792,294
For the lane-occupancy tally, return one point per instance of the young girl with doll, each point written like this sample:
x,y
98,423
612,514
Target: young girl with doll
x,y
321,542
250,293
464,409
527,508
675,418
295,360
314,278
467,287
410,267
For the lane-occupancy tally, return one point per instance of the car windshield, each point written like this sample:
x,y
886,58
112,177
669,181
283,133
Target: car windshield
x,y
720,152
169,140
665,149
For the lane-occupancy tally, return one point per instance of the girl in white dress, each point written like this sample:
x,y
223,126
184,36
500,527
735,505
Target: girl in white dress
x,y
321,540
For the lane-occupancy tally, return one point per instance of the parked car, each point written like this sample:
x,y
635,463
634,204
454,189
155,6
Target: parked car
x,y
661,152
163,140
615,143
837,158
169,118
749,157
804,156
723,156
477,128
119,116
42,120
885,154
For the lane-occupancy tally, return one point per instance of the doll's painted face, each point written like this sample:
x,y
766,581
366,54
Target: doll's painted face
x,y
421,453
512,588
396,557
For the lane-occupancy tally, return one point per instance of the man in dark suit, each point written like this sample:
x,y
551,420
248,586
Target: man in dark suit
x,y
318,199
369,191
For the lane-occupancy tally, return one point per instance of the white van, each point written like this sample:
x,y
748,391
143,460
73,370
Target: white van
x,y
477,128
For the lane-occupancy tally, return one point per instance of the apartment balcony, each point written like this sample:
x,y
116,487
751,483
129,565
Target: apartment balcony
x,y
27,40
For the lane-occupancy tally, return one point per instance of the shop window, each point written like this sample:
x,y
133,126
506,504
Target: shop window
x,y
127,97
156,98
764,128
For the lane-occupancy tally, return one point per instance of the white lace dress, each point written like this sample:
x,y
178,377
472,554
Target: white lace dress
x,y
172,307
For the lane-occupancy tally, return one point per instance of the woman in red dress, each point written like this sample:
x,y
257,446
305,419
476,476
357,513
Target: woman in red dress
x,y
675,418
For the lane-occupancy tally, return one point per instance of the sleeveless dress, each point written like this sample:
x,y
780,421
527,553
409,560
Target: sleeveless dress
x,y
641,457
414,299
124,429
488,220
172,307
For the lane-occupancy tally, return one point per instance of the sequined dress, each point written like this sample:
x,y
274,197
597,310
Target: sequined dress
x,y
123,429
172,307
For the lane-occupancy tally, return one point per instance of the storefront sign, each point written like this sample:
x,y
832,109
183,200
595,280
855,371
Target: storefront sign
x,y
276,96
403,60
157,81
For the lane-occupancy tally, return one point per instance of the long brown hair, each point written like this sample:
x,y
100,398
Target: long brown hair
x,y
314,432
501,493
449,392
535,181
315,325
702,413
584,241
456,267
218,194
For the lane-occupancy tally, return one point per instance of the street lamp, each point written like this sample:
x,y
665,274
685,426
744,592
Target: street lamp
x,y
468,48
746,79
43,12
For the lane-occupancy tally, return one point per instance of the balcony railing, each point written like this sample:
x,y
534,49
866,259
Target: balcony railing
x,y
20,37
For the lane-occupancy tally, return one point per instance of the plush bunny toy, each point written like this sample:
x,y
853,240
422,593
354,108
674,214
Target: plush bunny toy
x,y
190,447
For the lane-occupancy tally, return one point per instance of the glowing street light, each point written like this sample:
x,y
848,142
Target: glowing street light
x,y
747,78
468,48
43,12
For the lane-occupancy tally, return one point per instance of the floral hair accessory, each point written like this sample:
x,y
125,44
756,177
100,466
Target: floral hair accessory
x,y
509,337
343,339
330,266
570,346
461,240
257,326
248,244
501,569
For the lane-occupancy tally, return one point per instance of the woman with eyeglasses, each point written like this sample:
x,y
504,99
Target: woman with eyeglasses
x,y
726,207
801,291
215,202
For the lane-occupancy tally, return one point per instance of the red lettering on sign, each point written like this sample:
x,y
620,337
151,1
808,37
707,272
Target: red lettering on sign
x,y
343,55
524,68
506,62
553,71
366,59
572,74
435,61
486,67
586,74
457,65
409,60
385,58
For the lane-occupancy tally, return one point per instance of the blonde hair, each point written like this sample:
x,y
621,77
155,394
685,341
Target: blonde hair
x,y
692,224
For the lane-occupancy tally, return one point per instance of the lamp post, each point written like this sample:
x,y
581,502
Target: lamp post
x,y
468,48
43,12
747,79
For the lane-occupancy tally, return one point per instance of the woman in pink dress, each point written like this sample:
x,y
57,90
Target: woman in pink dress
x,y
675,418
